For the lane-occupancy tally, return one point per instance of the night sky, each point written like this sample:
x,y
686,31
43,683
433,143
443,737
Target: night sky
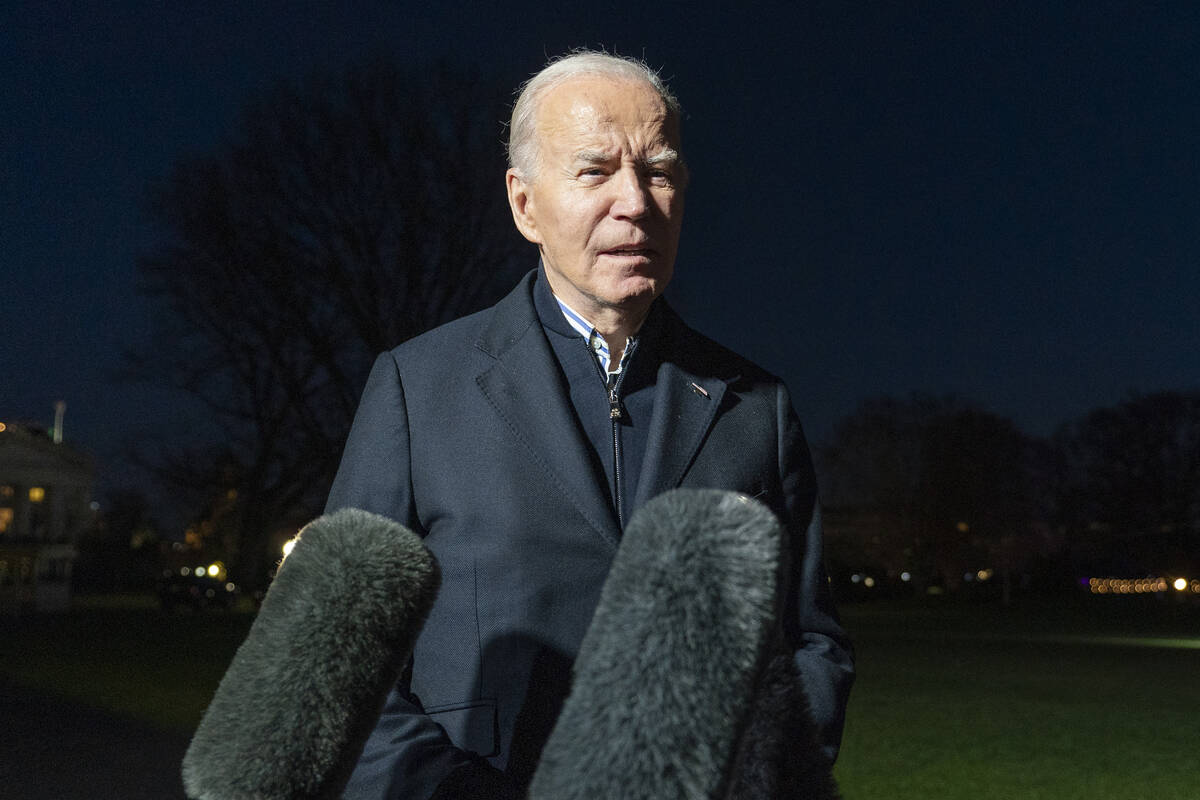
x,y
1000,203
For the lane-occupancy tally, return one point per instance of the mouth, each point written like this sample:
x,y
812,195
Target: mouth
x,y
630,251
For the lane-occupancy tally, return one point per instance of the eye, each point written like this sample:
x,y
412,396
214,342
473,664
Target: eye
x,y
659,177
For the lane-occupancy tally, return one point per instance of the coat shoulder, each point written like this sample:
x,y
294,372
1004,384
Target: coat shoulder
x,y
489,331
699,354
455,335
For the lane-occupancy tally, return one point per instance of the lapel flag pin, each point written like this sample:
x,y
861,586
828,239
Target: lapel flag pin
x,y
699,390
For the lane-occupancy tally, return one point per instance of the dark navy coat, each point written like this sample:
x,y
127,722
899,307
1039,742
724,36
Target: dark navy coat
x,y
467,435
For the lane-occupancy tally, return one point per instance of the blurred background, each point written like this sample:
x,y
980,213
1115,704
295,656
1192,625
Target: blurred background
x,y
960,232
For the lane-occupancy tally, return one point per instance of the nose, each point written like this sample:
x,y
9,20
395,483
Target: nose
x,y
631,200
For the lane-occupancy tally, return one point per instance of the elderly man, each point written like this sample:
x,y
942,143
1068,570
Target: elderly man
x,y
519,440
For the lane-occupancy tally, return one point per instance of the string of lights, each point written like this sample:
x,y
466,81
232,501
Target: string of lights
x,y
1141,585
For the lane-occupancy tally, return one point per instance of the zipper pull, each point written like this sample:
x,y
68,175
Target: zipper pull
x,y
614,405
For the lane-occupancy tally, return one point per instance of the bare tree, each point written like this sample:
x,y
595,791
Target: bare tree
x,y
928,485
347,214
1130,483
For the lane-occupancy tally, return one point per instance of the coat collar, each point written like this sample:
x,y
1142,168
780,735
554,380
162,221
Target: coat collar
x,y
526,388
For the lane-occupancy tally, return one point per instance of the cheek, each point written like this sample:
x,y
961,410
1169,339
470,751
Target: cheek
x,y
575,222
674,214
670,205
677,205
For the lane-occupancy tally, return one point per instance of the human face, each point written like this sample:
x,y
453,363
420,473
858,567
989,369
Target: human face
x,y
606,205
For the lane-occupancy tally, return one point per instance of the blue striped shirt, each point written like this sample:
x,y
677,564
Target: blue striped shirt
x,y
595,340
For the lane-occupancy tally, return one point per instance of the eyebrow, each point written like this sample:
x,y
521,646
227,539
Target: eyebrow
x,y
593,156
665,156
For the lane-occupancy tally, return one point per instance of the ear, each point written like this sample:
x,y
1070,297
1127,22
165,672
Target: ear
x,y
520,201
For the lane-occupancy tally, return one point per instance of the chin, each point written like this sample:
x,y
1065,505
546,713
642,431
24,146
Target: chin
x,y
632,293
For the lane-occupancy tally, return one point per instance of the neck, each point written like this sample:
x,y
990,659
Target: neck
x,y
617,329
615,323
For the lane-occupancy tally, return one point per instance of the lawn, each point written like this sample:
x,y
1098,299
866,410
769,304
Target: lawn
x,y
125,655
1097,700
1026,703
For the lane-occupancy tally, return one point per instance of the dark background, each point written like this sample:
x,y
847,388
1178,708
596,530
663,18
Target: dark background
x,y
886,198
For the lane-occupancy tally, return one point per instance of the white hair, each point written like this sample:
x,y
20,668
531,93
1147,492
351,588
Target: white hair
x,y
523,152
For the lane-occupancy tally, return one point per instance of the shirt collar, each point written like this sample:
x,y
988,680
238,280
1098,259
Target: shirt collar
x,y
595,340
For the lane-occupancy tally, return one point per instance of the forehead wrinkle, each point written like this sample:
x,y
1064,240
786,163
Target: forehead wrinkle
x,y
588,120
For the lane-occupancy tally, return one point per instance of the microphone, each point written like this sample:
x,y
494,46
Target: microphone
x,y
294,709
676,678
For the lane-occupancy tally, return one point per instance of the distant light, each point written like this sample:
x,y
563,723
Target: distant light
x,y
968,576
934,590
216,569
36,494
1180,584
3,427
201,572
868,582
291,543
229,587
185,571
962,527
1131,585
985,574
906,576
94,505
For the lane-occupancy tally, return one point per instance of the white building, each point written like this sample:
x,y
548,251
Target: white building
x,y
45,491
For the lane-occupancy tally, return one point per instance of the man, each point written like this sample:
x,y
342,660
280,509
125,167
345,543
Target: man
x,y
519,440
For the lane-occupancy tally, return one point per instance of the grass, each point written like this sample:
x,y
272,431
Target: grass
x,y
1090,700
1029,703
125,655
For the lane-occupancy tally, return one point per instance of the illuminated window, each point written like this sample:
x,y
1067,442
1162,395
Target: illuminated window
x,y
6,491
6,518
36,494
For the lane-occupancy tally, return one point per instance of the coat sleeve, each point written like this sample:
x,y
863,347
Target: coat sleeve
x,y
407,754
823,654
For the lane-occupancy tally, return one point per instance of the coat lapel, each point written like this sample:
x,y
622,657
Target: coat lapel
x,y
687,400
526,388
685,406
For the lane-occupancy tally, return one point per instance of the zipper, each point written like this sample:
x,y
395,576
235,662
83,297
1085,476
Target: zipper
x,y
616,414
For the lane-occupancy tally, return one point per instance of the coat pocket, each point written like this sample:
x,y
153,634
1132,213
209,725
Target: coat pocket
x,y
471,726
